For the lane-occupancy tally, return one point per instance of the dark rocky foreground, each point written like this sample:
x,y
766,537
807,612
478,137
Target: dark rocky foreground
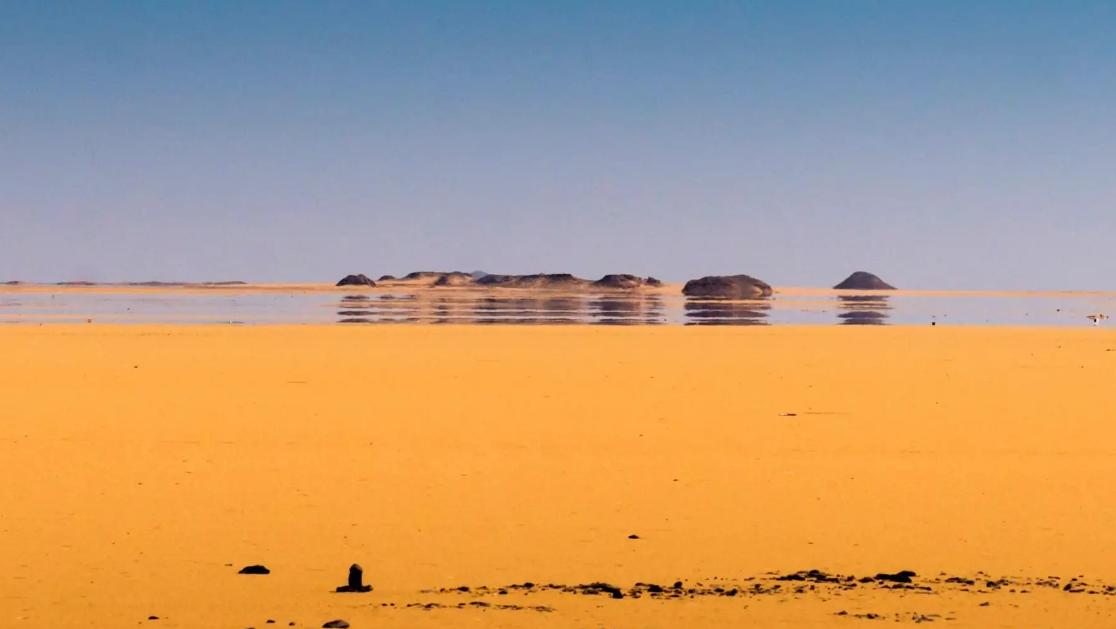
x,y
863,280
840,589
727,287
800,582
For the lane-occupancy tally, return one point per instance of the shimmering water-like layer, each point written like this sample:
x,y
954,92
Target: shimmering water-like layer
x,y
542,307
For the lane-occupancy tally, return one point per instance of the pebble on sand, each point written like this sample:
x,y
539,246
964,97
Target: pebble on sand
x,y
336,624
254,569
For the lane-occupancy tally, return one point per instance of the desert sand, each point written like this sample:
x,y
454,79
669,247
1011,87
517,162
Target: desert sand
x,y
143,466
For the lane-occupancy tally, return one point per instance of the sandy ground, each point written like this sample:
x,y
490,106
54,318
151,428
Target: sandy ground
x,y
142,466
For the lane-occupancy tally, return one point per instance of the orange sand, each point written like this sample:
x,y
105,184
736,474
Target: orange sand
x,y
143,465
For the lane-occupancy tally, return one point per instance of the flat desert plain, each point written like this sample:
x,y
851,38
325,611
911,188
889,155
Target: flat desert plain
x,y
143,466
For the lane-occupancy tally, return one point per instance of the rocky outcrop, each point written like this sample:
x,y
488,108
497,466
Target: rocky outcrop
x,y
454,279
550,281
356,280
423,275
862,280
625,281
728,287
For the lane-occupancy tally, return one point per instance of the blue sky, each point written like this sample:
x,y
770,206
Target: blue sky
x,y
939,144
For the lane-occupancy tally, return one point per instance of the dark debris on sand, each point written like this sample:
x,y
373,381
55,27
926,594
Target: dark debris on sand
x,y
254,569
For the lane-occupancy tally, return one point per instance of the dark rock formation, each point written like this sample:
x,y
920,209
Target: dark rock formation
x,y
903,576
356,280
727,286
454,279
254,569
78,283
336,624
356,581
862,280
625,281
387,278
423,275
12,283
536,280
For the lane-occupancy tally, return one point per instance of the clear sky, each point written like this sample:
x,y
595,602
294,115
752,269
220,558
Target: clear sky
x,y
939,144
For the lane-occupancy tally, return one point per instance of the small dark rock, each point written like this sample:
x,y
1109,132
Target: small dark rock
x,y
633,536
336,624
254,569
903,576
356,581
153,618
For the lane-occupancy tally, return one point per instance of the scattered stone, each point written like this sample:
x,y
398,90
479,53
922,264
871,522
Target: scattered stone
x,y
633,536
336,624
356,581
254,569
153,618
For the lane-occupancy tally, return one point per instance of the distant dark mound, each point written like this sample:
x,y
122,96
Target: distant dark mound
x,y
454,279
625,281
82,283
356,280
156,284
225,283
12,283
424,275
553,281
478,274
862,280
387,278
727,286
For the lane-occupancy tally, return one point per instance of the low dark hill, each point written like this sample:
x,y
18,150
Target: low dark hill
x,y
625,281
356,280
454,279
862,280
551,281
728,287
